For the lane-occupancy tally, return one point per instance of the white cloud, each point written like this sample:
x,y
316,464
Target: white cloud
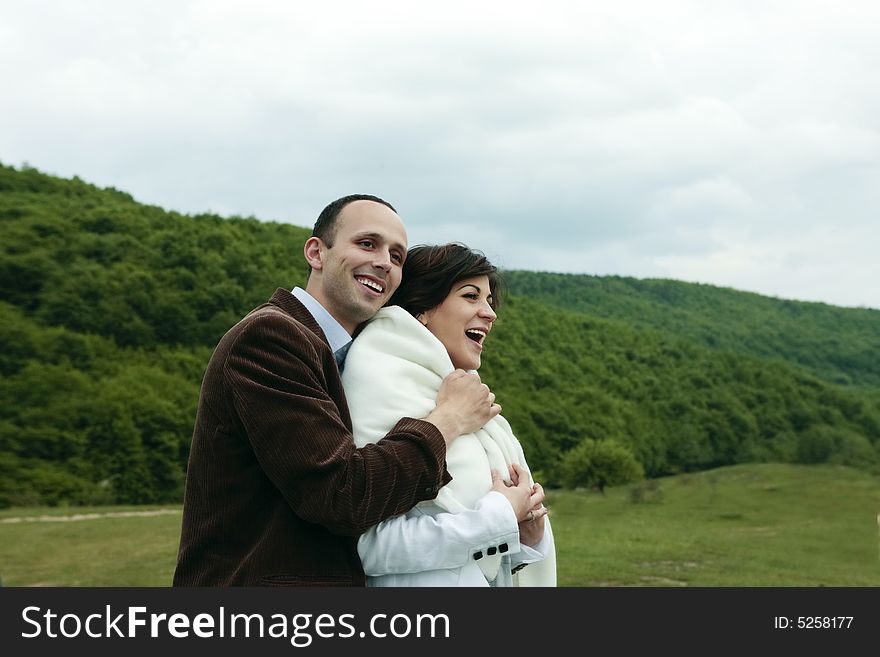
x,y
811,265
728,142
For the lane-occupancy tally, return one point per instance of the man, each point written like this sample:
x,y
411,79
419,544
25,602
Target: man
x,y
276,492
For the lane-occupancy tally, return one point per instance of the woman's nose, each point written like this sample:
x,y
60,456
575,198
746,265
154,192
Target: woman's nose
x,y
487,313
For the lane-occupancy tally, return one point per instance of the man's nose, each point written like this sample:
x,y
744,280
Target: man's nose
x,y
383,259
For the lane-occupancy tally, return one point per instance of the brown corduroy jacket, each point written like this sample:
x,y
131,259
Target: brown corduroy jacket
x,y
276,492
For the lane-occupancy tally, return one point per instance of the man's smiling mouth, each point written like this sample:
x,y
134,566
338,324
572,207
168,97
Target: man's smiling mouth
x,y
376,286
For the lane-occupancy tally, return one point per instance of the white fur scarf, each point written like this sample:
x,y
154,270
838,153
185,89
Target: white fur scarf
x,y
394,369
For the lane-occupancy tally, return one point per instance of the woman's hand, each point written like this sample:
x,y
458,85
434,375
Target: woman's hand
x,y
527,502
531,530
518,493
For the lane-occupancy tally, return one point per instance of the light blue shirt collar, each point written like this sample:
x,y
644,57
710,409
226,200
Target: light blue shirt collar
x,y
336,335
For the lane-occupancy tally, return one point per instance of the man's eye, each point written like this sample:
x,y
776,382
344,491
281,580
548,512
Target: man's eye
x,y
367,243
396,257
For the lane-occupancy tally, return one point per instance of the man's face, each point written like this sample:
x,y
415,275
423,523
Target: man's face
x,y
360,272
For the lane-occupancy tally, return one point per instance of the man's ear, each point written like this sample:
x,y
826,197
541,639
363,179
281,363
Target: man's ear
x,y
314,252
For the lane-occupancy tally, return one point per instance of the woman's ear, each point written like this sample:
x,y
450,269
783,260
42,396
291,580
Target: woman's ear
x,y
423,318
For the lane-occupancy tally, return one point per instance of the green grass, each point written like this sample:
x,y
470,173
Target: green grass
x,y
747,525
104,551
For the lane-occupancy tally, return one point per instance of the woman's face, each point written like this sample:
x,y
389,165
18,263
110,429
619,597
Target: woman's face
x,y
463,321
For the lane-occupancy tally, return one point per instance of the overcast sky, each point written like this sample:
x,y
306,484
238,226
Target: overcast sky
x,y
731,143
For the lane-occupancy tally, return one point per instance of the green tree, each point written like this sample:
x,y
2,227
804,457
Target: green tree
x,y
599,463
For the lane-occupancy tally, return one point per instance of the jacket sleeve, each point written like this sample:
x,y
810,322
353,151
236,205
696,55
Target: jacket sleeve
x,y
529,554
420,541
280,392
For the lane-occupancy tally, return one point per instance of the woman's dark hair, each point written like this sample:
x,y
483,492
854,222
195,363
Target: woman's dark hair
x,y
429,272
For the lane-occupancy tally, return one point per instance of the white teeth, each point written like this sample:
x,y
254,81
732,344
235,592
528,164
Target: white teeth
x,y
373,285
478,332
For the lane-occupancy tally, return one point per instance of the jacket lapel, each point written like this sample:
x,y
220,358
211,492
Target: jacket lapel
x,y
284,300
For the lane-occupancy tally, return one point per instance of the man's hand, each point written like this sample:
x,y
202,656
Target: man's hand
x,y
464,404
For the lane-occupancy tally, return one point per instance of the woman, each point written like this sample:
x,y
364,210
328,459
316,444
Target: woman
x,y
438,321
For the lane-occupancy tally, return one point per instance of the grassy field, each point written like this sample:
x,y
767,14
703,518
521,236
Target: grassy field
x,y
747,525
752,525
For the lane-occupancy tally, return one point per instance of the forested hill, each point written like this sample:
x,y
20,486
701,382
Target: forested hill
x,y
841,345
109,310
96,261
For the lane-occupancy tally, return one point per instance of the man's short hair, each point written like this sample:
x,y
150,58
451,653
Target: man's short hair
x,y
325,226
